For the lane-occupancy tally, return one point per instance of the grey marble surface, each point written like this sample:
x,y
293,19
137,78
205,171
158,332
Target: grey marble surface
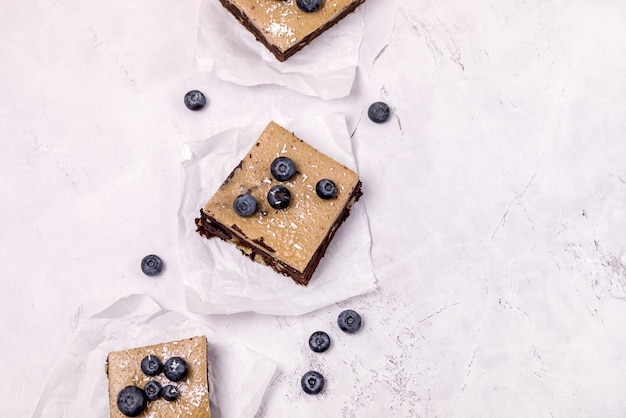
x,y
496,199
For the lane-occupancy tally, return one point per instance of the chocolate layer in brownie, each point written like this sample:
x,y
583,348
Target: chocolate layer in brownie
x,y
282,27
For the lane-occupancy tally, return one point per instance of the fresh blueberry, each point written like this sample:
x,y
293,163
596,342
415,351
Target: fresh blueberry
x,y
326,189
151,265
195,100
349,321
319,341
309,5
170,393
279,197
378,112
131,401
244,205
283,168
151,365
175,369
153,390
312,382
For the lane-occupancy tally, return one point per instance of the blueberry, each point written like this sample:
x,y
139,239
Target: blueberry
x,y
279,197
378,112
151,265
349,321
151,365
153,390
319,341
131,401
309,5
170,392
312,382
326,189
283,168
195,100
244,205
175,369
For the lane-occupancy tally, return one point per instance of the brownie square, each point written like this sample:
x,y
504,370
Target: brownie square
x,y
123,369
282,27
292,240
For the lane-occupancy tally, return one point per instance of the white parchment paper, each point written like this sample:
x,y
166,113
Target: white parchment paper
x,y
220,280
78,386
325,68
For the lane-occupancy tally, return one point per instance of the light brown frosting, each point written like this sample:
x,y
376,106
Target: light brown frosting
x,y
292,235
283,23
124,369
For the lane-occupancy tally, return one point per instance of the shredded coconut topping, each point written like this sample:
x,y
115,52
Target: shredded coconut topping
x,y
279,29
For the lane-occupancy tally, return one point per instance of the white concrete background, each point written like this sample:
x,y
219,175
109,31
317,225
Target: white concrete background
x,y
501,255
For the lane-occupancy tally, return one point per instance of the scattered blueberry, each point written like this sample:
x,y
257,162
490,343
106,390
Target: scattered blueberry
x,y
244,205
319,341
378,112
309,5
151,365
151,265
326,189
195,100
175,369
283,168
170,393
312,382
279,197
153,390
131,401
349,321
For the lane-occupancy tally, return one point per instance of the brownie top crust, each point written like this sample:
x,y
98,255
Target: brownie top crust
x,y
283,24
294,234
124,369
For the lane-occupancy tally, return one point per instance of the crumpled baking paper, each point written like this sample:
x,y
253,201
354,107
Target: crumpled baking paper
x,y
325,68
218,279
136,321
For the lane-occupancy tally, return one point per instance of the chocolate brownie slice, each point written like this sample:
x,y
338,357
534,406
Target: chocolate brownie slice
x,y
123,369
292,240
282,27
